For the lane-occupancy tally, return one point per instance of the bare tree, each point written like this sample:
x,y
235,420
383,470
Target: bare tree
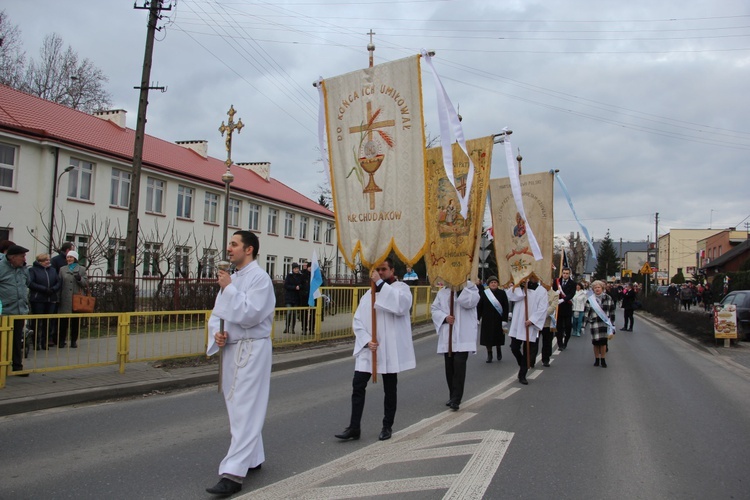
x,y
59,77
12,56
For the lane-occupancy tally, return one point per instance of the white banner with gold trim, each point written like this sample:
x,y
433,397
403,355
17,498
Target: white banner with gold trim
x,y
452,240
377,168
515,260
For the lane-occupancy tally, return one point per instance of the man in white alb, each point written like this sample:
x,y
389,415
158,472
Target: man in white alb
x,y
246,303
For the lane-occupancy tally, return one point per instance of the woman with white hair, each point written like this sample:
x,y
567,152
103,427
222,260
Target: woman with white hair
x,y
599,317
74,281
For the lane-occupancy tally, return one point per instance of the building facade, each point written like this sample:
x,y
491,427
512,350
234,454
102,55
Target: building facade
x,y
678,249
65,175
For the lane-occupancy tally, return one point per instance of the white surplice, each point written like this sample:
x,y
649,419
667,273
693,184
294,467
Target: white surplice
x,y
395,351
247,306
464,337
537,312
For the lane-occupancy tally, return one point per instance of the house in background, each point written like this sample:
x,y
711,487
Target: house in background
x,y
65,176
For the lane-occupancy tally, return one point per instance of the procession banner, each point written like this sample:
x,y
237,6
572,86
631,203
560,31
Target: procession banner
x,y
452,240
515,260
376,147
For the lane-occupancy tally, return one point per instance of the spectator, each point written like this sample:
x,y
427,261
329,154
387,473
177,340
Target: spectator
x,y
73,281
59,260
14,296
686,297
579,302
44,285
4,246
292,287
410,277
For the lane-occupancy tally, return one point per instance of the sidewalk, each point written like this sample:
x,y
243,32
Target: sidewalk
x,y
68,387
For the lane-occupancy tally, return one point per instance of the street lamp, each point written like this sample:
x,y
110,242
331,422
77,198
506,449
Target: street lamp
x,y
55,193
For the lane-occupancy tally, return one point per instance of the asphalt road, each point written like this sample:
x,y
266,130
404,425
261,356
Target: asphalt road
x,y
663,421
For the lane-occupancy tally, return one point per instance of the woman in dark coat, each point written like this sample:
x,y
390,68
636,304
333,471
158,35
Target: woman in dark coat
x,y
74,281
44,283
491,332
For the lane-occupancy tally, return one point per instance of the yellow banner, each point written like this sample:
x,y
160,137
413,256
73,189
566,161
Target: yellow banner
x,y
452,241
376,148
515,262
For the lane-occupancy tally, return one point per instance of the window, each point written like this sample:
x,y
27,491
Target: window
x,y
288,265
235,207
303,227
316,230
211,208
7,165
271,265
116,256
289,225
4,233
207,264
154,195
253,223
181,262
329,232
151,257
81,245
273,216
80,179
120,195
184,202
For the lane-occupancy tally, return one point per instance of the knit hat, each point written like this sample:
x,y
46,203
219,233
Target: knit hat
x,y
73,254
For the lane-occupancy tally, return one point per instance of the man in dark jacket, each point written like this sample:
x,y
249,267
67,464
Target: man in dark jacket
x,y
44,285
306,317
565,310
628,304
292,287
60,260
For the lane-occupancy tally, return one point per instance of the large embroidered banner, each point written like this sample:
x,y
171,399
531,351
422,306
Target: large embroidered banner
x,y
452,240
377,168
515,260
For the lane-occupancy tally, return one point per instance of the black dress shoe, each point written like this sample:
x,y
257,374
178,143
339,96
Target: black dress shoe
x,y
545,364
62,345
454,406
349,433
385,434
73,345
256,468
523,380
448,403
225,487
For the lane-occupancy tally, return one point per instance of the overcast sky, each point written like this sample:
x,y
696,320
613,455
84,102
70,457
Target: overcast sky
x,y
643,106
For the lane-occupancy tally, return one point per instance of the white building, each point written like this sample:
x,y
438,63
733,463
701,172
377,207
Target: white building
x,y
65,176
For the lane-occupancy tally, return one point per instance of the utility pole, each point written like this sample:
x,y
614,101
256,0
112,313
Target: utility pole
x,y
131,241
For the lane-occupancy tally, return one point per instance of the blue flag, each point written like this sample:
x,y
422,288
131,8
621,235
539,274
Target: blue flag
x,y
316,280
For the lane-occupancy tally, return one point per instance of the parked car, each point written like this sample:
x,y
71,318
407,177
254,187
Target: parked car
x,y
741,300
662,290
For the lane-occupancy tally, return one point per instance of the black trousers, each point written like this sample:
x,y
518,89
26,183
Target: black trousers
x,y
359,386
291,318
43,327
17,345
455,375
547,336
72,324
628,318
564,326
518,348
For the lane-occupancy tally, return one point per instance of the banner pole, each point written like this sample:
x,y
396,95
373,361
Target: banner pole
x,y
374,333
450,328
526,309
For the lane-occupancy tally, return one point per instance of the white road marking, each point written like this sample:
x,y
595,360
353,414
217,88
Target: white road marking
x,y
429,439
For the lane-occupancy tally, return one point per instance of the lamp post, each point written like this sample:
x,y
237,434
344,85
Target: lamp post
x,y
55,193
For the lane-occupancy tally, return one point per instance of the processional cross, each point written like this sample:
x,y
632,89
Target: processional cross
x,y
229,128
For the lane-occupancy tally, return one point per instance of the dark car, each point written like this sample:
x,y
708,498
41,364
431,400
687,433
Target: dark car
x,y
741,299
662,290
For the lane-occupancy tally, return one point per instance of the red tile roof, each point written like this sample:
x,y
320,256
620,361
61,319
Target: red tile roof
x,y
44,120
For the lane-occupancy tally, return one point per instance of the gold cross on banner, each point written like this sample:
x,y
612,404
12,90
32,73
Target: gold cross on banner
x,y
370,127
229,128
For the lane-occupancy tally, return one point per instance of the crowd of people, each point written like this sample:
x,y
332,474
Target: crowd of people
x,y
46,287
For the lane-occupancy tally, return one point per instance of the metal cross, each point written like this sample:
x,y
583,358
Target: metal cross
x,y
229,128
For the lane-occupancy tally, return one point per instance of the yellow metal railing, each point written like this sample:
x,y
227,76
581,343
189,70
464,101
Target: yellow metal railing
x,y
121,338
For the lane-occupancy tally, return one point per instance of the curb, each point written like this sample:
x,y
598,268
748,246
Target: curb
x,y
207,376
